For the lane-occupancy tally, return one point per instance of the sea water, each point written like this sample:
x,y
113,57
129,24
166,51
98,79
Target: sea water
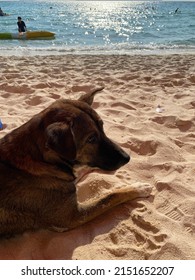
x,y
101,27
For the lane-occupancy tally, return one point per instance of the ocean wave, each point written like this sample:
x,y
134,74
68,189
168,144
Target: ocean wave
x,y
109,50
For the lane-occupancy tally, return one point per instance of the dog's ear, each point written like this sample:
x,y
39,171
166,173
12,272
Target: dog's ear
x,y
60,139
88,97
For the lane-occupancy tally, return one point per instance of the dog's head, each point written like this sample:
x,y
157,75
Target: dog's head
x,y
75,135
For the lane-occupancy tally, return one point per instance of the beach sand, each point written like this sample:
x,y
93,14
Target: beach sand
x,y
148,107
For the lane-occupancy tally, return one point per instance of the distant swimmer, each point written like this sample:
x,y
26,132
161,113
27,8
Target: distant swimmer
x,y
176,10
2,13
21,25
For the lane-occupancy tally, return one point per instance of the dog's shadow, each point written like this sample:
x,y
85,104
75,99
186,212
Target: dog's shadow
x,y
49,245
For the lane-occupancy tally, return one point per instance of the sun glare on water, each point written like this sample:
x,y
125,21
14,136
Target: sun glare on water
x,y
98,17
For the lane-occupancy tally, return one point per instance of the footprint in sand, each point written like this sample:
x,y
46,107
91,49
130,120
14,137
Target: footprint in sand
x,y
137,233
142,236
183,125
6,95
55,96
143,147
147,235
167,200
173,122
176,206
35,101
123,175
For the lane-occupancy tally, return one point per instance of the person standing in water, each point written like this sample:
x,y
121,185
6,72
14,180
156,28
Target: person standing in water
x,y
21,25
2,13
176,11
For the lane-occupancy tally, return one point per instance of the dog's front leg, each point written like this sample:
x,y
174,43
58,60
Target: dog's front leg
x,y
86,212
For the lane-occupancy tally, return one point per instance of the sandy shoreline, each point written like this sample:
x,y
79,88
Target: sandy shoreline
x,y
161,145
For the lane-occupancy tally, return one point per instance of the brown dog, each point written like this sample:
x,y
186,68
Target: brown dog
x,y
39,162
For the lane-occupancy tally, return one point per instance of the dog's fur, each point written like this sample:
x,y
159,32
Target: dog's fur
x,y
37,168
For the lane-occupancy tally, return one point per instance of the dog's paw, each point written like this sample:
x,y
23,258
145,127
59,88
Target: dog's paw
x,y
143,189
136,190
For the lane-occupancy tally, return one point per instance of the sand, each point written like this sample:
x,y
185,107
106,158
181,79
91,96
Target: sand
x,y
148,107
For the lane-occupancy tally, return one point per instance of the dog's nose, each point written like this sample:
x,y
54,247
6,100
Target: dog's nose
x,y
125,157
111,156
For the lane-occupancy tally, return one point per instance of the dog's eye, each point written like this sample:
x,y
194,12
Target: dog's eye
x,y
92,139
